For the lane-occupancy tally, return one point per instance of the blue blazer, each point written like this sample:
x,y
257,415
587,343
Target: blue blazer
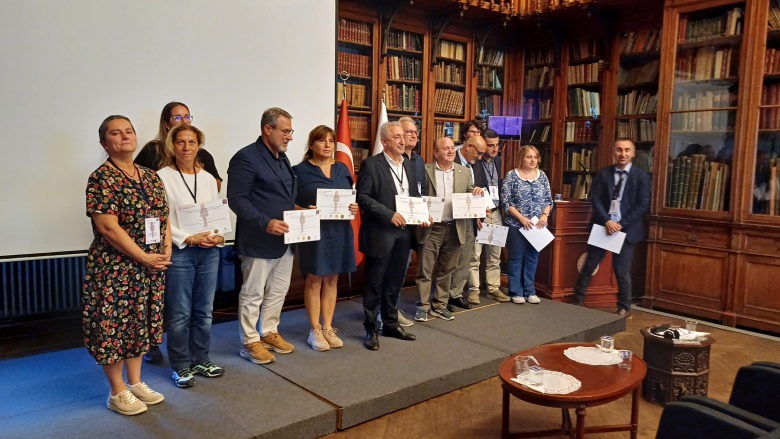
x,y
633,206
257,195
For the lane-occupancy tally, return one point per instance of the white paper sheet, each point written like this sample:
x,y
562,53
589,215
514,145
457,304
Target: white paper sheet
x,y
413,209
304,225
334,204
468,206
539,238
210,216
492,234
599,238
435,207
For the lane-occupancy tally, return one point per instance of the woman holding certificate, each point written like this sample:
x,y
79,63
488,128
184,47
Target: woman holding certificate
x,y
192,279
526,195
122,299
322,261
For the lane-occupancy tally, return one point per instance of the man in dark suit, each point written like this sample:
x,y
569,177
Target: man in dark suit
x,y
468,155
490,180
620,197
261,186
384,237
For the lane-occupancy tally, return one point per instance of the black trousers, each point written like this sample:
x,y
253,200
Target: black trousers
x,y
384,279
621,266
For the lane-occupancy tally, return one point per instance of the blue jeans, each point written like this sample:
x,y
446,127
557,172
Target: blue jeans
x,y
521,267
190,283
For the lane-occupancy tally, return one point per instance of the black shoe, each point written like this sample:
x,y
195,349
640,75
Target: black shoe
x,y
460,302
398,333
154,355
372,340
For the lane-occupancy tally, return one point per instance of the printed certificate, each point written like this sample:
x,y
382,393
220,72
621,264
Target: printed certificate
x,y
211,216
413,209
334,203
435,207
304,225
492,234
468,206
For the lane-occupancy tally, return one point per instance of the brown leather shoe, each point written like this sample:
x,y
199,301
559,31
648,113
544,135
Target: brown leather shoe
x,y
624,313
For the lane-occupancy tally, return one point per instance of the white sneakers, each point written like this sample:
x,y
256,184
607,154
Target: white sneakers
x,y
317,340
533,299
520,299
134,400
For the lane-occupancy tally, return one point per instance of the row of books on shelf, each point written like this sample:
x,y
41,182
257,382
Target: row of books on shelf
x,y
728,24
354,64
354,31
403,97
639,74
355,94
705,100
491,57
578,188
398,39
537,109
488,77
359,127
646,40
720,121
358,155
537,134
774,14
452,50
489,105
639,130
450,73
505,125
767,187
772,61
583,103
526,7
541,55
584,73
446,129
404,68
695,183
637,102
580,159
539,77
580,131
586,49
449,101
770,117
706,63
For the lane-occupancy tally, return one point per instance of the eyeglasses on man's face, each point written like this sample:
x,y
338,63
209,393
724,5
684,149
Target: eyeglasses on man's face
x,y
186,118
285,133
473,131
478,152
411,133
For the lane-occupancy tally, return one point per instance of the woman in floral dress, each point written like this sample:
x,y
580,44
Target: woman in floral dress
x,y
125,277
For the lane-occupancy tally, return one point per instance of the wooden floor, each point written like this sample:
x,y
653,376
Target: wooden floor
x,y
475,411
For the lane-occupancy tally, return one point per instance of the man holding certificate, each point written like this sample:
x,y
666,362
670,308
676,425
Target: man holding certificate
x,y
620,197
440,245
385,238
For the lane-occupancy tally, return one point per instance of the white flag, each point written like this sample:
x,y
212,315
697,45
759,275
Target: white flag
x,y
378,148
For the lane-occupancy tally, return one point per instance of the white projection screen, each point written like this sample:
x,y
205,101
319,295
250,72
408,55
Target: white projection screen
x,y
66,65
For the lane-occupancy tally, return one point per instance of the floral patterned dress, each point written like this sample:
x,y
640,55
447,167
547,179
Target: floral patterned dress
x,y
123,301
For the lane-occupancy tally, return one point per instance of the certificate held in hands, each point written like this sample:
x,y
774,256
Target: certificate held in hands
x,y
435,207
413,209
468,206
492,234
304,225
334,204
211,216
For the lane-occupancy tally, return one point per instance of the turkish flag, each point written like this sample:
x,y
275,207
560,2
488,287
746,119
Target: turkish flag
x,y
344,155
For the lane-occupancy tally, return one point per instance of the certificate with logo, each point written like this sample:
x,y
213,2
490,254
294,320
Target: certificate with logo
x,y
435,207
492,234
210,216
304,225
334,203
413,209
468,206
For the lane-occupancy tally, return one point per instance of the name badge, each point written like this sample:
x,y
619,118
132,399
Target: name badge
x,y
419,189
614,207
493,192
152,227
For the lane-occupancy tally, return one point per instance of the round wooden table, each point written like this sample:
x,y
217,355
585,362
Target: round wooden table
x,y
600,385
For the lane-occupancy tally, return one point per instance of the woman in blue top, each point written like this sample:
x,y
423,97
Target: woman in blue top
x,y
322,261
526,194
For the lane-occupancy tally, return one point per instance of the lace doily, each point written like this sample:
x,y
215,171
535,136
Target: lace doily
x,y
555,383
592,355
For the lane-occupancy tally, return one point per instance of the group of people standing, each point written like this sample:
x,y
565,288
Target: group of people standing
x,y
143,269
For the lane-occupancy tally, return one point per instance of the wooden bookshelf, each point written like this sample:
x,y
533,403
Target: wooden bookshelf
x,y
451,73
489,73
537,110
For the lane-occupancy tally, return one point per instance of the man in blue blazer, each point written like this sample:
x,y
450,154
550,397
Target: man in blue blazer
x,y
261,186
621,198
385,238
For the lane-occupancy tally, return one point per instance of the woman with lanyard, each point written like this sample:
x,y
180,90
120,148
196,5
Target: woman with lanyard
x,y
526,195
125,273
192,280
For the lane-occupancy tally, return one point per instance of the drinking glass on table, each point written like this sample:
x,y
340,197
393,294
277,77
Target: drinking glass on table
x,y
625,359
607,343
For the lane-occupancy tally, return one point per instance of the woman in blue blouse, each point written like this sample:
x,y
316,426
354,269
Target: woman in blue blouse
x,y
322,261
526,194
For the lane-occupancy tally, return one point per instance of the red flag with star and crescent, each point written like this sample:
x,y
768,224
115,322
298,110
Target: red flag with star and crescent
x,y
344,155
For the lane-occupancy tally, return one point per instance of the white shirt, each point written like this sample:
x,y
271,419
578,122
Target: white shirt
x,y
178,195
399,175
445,181
466,164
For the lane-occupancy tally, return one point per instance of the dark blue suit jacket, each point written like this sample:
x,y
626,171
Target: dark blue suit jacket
x,y
256,195
633,206
483,179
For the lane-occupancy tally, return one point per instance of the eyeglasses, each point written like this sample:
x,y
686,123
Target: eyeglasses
x,y
188,118
479,153
286,132
411,132
473,131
